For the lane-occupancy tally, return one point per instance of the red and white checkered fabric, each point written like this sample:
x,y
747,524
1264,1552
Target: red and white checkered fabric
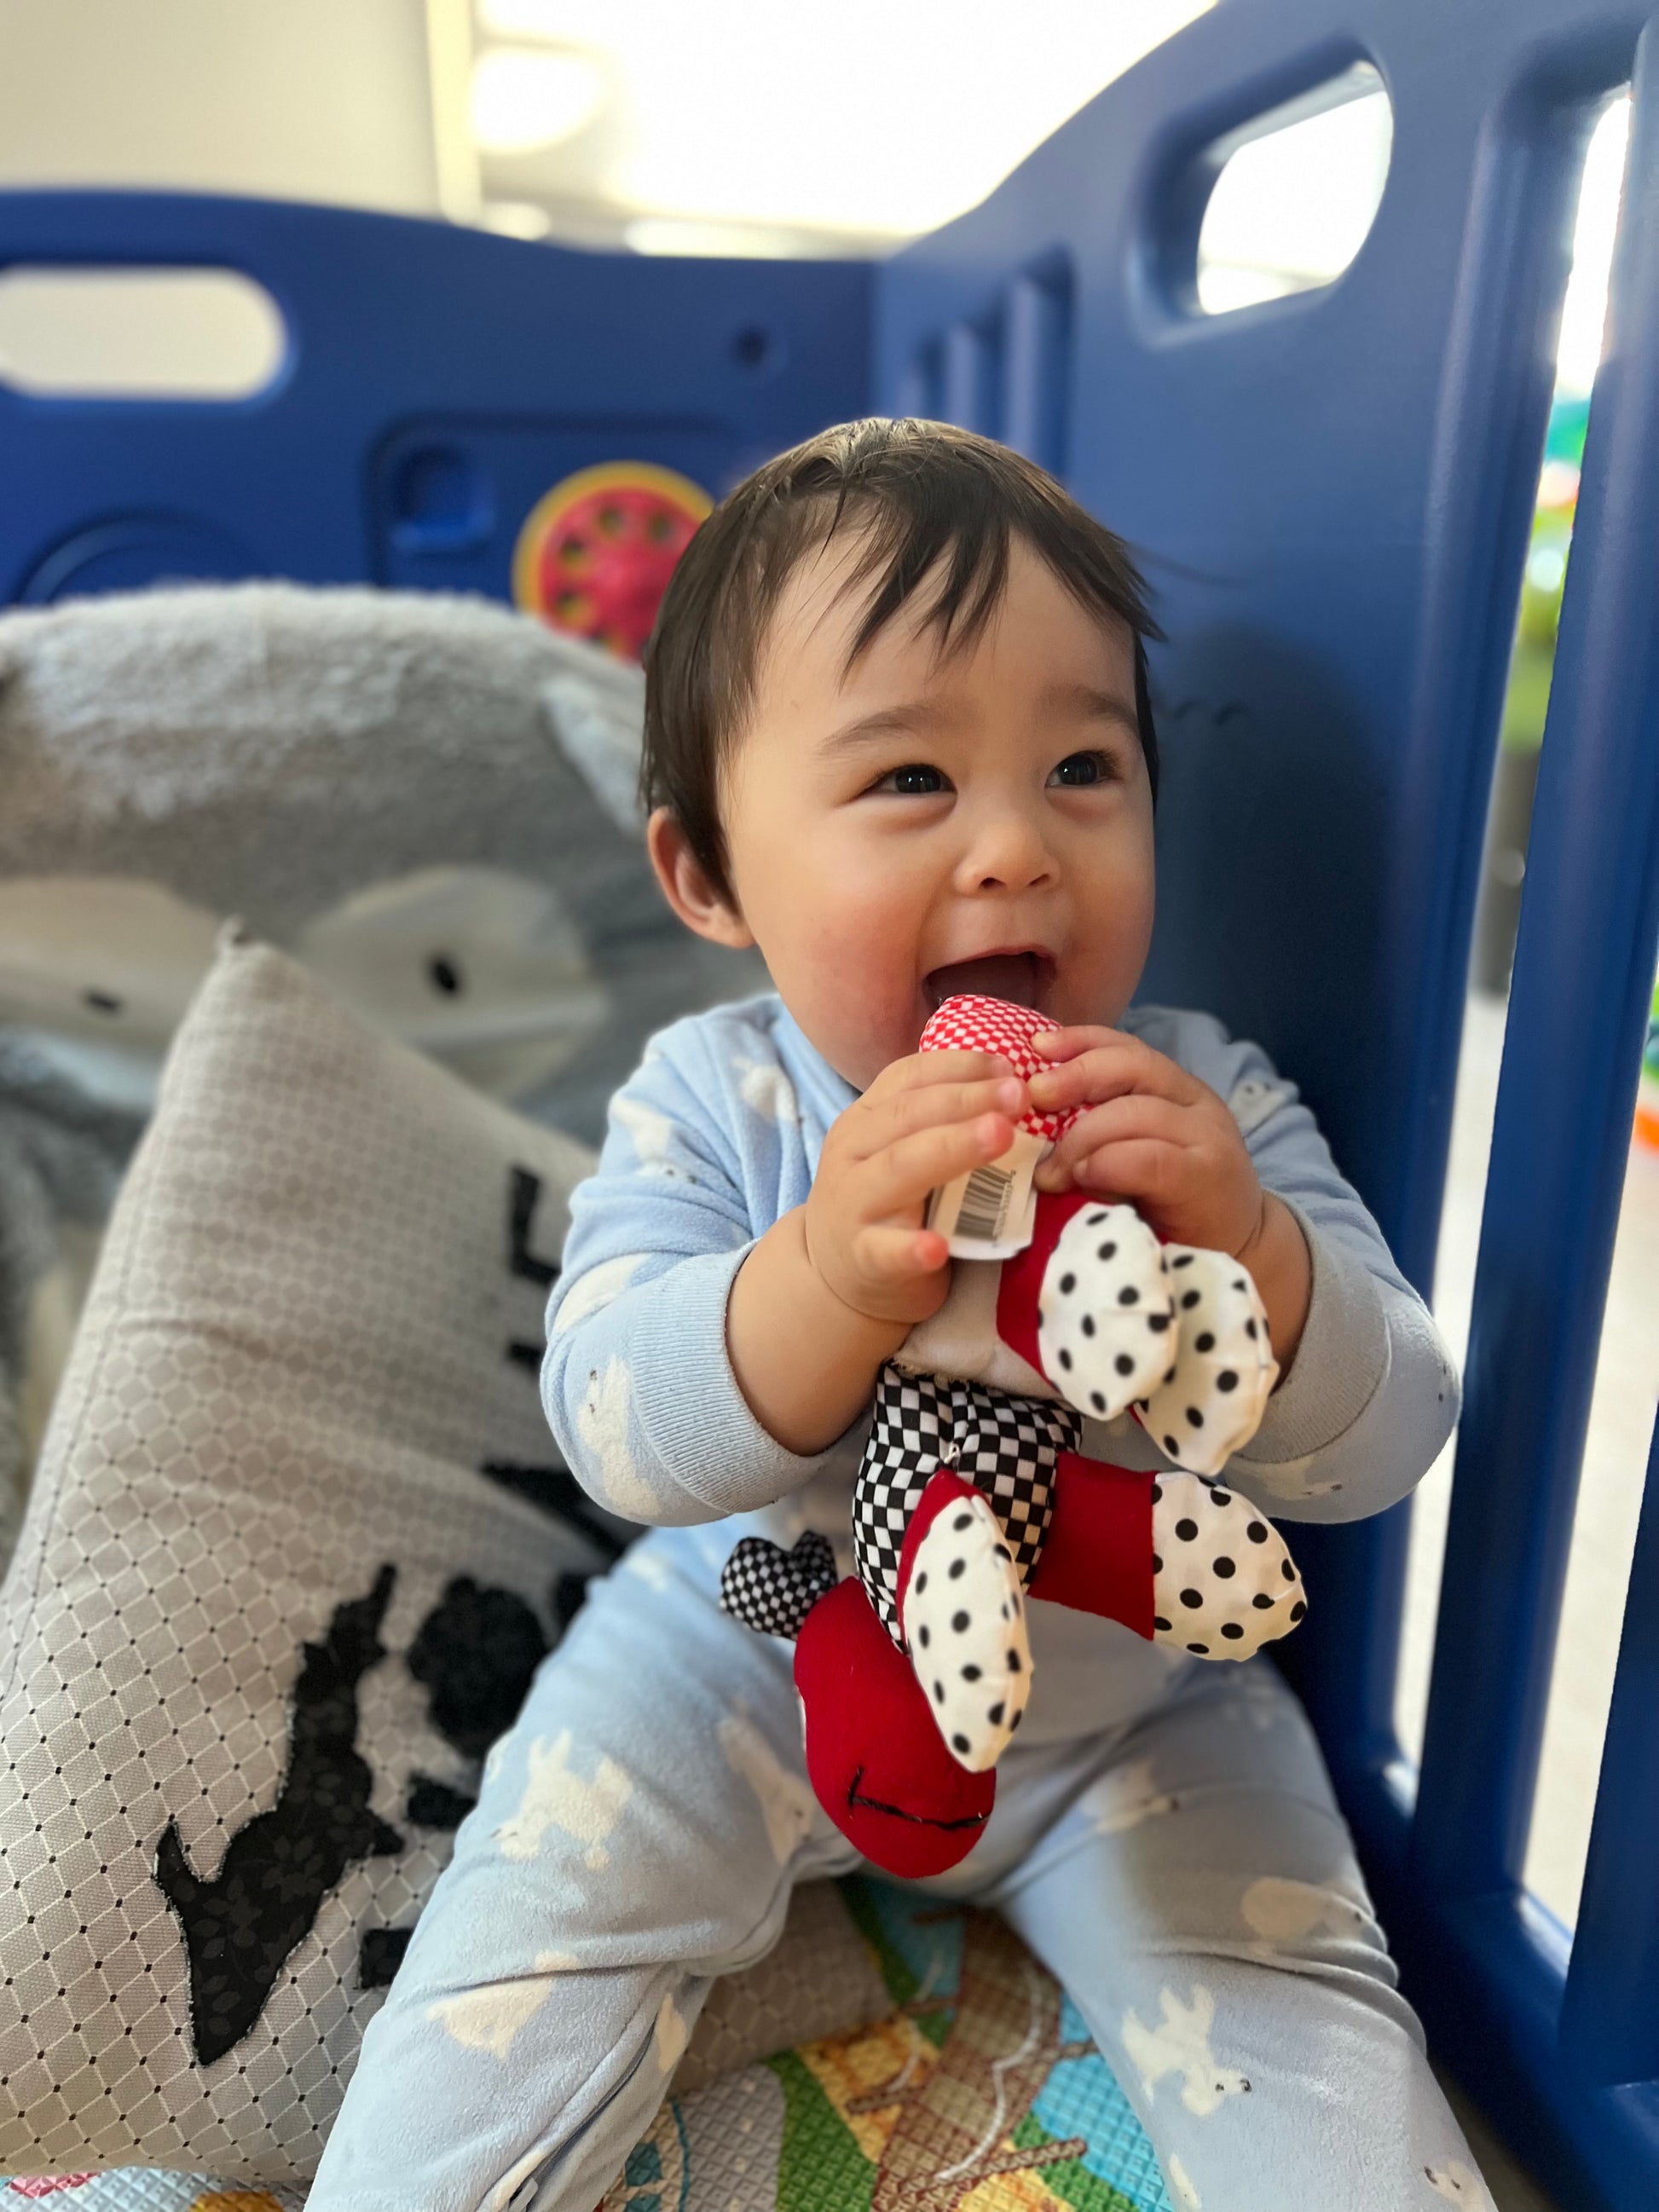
x,y
969,1024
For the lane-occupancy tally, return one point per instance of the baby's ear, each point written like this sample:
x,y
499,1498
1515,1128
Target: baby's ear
x,y
688,887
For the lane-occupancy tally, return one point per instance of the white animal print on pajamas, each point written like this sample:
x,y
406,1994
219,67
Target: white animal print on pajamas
x,y
1180,2045
603,1421
490,2017
1459,2187
556,1796
786,1800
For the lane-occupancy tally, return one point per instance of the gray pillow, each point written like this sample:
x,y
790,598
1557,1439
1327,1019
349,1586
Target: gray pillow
x,y
297,1541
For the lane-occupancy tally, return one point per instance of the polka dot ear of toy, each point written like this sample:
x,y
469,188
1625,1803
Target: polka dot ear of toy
x,y
1223,1583
1209,1402
1106,1311
595,554
968,1023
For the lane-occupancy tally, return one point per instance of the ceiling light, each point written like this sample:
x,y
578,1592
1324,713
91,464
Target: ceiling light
x,y
525,99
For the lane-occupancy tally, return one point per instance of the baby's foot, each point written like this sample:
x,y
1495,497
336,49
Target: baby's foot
x,y
963,1613
1223,1583
872,1748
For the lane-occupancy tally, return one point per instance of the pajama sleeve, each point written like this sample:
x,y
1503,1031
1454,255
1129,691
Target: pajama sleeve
x,y
636,1384
1372,1393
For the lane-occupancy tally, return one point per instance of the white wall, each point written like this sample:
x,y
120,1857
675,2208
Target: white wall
x,y
312,99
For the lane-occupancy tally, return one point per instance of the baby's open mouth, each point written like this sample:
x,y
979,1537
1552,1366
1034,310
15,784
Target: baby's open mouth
x,y
1025,979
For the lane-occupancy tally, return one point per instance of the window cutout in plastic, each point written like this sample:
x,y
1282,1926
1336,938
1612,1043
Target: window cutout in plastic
x,y
1295,195
200,334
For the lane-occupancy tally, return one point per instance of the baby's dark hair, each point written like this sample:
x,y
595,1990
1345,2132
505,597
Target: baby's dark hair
x,y
930,500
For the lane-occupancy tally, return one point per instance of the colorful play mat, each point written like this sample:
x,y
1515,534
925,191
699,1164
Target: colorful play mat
x,y
979,2091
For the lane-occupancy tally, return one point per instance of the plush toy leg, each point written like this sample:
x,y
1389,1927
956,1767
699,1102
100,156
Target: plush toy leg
x,y
873,1753
963,1611
1098,1557
1174,1557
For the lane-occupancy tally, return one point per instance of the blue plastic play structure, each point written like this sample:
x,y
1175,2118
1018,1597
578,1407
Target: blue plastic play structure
x,y
1332,493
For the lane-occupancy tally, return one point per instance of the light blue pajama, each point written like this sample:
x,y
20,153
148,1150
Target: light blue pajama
x,y
1165,1833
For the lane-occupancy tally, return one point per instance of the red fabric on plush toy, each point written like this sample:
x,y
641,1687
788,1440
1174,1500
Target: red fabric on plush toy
x,y
973,1496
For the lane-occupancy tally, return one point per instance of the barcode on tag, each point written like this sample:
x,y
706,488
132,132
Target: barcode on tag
x,y
984,1206
988,1213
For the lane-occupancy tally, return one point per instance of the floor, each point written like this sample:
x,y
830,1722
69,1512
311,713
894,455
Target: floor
x,y
1615,1460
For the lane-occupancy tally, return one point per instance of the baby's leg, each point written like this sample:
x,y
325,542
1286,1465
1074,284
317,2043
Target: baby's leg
x,y
1200,1902
639,1832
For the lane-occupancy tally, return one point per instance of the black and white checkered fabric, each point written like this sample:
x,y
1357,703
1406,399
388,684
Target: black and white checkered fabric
x,y
772,1590
1005,1446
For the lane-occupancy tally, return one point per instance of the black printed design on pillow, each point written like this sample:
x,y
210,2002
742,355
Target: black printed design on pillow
x,y
435,1805
523,1192
569,1595
475,1656
239,1927
553,1489
379,1955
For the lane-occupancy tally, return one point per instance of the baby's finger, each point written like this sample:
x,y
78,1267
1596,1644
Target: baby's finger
x,y
952,1102
1134,1116
921,1070
884,1255
897,1180
1062,1044
1149,1171
1112,1069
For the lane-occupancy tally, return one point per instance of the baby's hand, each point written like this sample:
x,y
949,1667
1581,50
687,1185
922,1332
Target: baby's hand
x,y
1152,1133
922,1121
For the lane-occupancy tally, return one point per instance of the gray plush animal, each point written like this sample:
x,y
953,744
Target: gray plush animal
x,y
430,800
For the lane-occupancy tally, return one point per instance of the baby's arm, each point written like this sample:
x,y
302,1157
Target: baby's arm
x,y
640,1383
1372,1394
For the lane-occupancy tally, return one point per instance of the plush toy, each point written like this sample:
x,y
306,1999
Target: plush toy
x,y
914,1671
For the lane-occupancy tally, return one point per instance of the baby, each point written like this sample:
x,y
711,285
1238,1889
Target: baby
x,y
898,737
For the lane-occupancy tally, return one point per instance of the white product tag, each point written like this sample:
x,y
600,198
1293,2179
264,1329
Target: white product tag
x,y
990,1212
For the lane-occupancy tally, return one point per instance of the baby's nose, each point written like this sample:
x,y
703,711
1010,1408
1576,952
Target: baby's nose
x,y
1008,853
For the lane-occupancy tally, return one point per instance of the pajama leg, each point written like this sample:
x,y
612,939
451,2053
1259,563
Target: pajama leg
x,y
1200,1900
639,1832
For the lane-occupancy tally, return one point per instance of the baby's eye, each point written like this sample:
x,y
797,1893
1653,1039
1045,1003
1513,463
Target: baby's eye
x,y
1079,770
917,780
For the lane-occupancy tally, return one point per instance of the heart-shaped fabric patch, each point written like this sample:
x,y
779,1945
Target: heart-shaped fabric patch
x,y
771,1590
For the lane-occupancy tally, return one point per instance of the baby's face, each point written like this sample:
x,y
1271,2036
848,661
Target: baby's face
x,y
917,825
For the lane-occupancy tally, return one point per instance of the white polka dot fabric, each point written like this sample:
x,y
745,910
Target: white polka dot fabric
x,y
1210,1403
964,1611
1106,1313
302,1402
1223,1583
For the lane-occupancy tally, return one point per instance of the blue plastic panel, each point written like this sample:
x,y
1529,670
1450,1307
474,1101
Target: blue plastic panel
x,y
1331,493
414,349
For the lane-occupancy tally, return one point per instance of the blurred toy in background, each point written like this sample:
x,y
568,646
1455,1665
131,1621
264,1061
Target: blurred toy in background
x,y
1526,701
1647,1096
595,555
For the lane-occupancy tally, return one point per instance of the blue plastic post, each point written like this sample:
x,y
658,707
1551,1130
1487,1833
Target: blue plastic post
x,y
1610,2016
1583,976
